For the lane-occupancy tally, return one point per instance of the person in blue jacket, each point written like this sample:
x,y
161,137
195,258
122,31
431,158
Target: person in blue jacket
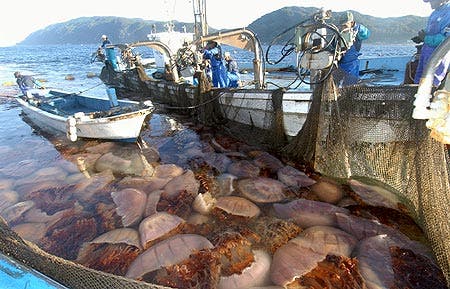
x,y
350,60
213,53
436,31
105,41
232,70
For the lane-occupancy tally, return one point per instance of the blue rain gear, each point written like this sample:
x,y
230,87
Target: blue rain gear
x,y
437,30
232,73
219,74
349,61
105,42
440,71
233,79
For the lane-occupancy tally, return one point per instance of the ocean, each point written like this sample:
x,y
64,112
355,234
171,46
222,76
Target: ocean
x,y
33,160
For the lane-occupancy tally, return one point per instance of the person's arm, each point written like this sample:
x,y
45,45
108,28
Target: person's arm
x,y
438,27
37,83
434,40
207,54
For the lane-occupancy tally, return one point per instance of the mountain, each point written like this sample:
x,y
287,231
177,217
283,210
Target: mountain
x,y
393,30
87,30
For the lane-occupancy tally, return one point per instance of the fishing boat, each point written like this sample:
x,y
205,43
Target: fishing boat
x,y
249,105
81,116
17,275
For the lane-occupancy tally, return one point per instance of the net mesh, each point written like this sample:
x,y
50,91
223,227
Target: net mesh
x,y
67,273
369,132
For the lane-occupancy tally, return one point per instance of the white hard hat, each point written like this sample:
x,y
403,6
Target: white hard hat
x,y
104,36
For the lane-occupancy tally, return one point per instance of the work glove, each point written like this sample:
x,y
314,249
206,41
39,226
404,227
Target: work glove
x,y
419,38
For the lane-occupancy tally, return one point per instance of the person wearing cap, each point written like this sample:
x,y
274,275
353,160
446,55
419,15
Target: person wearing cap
x,y
100,53
350,60
26,82
436,31
213,54
105,41
232,70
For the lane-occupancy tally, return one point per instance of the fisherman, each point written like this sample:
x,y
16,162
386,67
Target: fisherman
x,y
26,82
436,31
105,41
100,53
232,70
110,53
213,53
349,61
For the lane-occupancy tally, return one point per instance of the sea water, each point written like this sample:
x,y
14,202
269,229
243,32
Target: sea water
x,y
54,64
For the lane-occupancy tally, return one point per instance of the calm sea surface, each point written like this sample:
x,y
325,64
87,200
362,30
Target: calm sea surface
x,y
30,158
53,62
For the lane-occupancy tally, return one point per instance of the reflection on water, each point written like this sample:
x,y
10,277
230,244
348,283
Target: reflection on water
x,y
120,207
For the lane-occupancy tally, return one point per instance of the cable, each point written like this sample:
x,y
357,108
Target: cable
x,y
288,51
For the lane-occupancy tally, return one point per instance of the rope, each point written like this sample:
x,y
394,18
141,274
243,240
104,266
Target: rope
x,y
82,91
198,105
289,85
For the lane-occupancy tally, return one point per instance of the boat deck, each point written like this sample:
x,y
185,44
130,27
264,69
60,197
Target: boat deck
x,y
69,104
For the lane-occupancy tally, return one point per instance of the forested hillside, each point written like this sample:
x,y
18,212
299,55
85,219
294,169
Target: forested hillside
x,y
87,30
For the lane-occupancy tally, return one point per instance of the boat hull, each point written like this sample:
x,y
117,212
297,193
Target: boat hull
x,y
16,275
252,107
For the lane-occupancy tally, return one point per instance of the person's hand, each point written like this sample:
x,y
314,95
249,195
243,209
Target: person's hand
x,y
419,38
421,34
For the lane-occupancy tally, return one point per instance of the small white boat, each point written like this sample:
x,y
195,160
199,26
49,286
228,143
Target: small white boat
x,y
81,116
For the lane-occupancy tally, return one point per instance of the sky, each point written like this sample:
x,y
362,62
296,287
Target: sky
x,y
21,18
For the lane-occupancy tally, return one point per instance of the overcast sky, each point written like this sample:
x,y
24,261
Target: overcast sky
x,y
21,17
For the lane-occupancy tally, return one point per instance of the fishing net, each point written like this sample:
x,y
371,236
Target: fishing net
x,y
130,83
67,273
206,102
369,132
